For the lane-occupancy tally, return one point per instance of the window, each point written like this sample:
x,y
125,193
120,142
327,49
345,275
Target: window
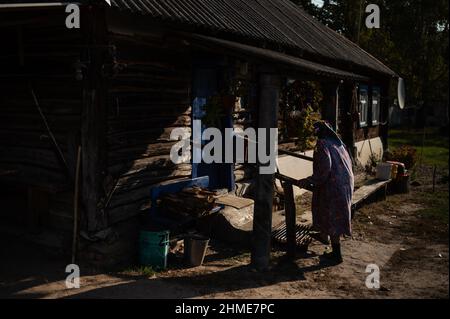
x,y
376,103
363,105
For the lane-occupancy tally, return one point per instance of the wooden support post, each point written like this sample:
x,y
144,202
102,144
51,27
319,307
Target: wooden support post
x,y
94,115
264,189
331,103
349,116
291,218
384,112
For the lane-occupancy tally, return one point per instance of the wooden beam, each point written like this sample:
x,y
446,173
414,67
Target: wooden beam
x,y
269,86
349,117
296,155
331,103
291,218
94,116
384,111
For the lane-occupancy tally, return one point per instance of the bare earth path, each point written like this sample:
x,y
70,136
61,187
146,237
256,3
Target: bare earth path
x,y
409,246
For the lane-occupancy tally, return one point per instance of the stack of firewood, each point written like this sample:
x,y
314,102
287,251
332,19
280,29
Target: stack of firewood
x,y
194,202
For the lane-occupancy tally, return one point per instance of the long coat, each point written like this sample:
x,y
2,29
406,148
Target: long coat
x,y
333,184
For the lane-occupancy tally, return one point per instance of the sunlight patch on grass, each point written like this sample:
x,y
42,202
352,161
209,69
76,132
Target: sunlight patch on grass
x,y
146,271
432,147
436,205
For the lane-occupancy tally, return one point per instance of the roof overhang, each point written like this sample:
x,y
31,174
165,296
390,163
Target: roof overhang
x,y
284,61
33,5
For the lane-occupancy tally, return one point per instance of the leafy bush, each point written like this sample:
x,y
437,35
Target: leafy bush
x,y
405,154
300,103
306,138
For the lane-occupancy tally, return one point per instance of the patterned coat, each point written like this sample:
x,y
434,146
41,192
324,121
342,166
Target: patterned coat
x,y
333,184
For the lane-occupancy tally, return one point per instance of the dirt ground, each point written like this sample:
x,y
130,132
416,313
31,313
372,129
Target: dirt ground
x,y
400,235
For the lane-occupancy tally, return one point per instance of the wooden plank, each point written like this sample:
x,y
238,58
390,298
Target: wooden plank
x,y
93,127
296,155
368,189
264,186
235,201
291,219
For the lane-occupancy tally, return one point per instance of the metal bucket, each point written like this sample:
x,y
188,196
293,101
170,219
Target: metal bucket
x,y
195,247
384,171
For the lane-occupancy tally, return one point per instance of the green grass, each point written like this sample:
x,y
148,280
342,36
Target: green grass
x,y
432,148
145,271
436,205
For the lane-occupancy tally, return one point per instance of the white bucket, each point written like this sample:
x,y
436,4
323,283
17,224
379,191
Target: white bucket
x,y
384,171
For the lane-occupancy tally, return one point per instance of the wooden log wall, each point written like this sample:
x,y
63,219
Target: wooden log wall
x,y
148,98
39,51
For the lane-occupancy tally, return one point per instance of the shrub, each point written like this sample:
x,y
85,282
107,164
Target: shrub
x,y
405,154
305,130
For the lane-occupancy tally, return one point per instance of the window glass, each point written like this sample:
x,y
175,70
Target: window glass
x,y
363,105
376,103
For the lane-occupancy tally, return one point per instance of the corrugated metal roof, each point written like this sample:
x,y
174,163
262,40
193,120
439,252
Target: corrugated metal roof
x,y
284,60
278,22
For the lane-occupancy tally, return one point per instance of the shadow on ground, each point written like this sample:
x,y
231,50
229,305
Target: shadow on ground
x,y
26,269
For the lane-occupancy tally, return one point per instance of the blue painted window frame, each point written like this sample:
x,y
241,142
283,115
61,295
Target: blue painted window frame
x,y
363,105
376,105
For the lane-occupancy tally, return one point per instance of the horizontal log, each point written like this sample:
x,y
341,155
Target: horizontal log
x,y
149,177
121,125
134,166
125,212
128,110
141,54
296,155
148,150
148,100
144,89
38,139
36,176
34,157
142,79
140,137
137,194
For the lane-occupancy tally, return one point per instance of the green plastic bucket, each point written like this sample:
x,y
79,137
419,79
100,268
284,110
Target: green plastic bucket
x,y
153,248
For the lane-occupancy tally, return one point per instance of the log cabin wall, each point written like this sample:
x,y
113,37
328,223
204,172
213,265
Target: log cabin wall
x,y
366,133
149,96
38,52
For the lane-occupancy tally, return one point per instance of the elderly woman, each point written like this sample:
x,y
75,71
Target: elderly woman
x,y
332,184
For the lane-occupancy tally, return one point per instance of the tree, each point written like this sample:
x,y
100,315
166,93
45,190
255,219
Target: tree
x,y
412,40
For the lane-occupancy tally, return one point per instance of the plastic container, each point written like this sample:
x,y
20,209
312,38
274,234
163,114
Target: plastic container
x,y
384,171
195,247
403,184
398,169
153,248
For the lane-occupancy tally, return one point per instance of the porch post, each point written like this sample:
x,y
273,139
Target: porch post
x,y
330,112
94,115
384,112
269,85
